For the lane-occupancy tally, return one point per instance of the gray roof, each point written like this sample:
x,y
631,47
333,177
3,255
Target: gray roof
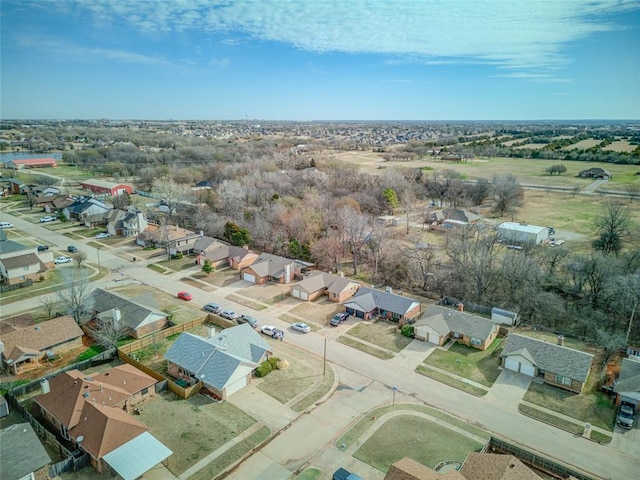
x,y
14,442
215,359
318,280
7,246
204,242
23,261
271,265
550,357
368,299
133,314
629,379
445,320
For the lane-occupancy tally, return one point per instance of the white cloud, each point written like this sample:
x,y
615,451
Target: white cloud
x,y
506,33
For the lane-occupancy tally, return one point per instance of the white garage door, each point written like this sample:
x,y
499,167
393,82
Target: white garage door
x,y
434,338
512,364
527,369
237,385
304,295
249,278
295,293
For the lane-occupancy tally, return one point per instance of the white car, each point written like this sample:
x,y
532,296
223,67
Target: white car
x,y
48,218
268,330
103,235
62,260
301,327
6,225
229,314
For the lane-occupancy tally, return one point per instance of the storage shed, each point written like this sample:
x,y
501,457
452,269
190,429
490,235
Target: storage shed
x,y
512,232
504,316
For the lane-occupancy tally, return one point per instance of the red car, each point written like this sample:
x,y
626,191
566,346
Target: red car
x,y
184,295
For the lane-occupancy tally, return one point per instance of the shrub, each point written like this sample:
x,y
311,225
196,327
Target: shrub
x,y
177,256
407,331
267,366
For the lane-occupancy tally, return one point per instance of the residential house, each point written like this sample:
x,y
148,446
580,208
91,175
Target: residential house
x,y
268,267
23,456
595,172
138,320
105,187
176,239
127,223
16,187
455,216
512,232
41,201
559,366
58,204
627,385
439,324
495,466
223,362
19,263
369,302
408,469
23,348
84,207
222,254
337,287
92,412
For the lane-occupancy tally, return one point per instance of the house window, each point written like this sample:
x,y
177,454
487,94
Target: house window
x,y
476,341
64,432
145,391
563,380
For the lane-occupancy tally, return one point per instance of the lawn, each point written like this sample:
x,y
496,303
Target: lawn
x,y
310,474
480,366
363,347
415,437
320,391
594,408
381,333
451,381
178,264
192,428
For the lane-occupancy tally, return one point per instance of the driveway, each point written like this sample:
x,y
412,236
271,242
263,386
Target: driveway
x,y
627,441
508,389
413,354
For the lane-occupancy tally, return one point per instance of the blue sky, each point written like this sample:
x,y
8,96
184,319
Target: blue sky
x,y
320,59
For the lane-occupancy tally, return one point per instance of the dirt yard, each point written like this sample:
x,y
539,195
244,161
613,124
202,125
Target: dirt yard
x,y
319,312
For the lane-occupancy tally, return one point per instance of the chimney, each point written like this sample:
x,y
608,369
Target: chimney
x,y
117,316
287,273
101,386
211,331
461,307
560,340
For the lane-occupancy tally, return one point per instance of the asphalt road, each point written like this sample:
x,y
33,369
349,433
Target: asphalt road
x,y
601,461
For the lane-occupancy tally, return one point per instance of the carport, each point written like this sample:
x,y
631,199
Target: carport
x,y
137,456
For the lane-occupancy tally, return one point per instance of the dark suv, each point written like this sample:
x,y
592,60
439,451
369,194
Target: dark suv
x,y
43,248
248,319
338,318
72,249
626,415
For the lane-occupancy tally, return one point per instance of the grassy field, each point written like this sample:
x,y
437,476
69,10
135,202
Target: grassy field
x,y
594,408
451,381
381,333
310,474
426,442
481,366
363,347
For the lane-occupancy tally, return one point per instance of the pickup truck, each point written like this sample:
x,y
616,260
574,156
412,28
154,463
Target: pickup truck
x,y
626,415
342,474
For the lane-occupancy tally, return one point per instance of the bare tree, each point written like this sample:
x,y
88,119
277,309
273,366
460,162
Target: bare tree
x,y
81,258
49,304
107,331
355,230
75,295
632,190
613,225
328,253
507,193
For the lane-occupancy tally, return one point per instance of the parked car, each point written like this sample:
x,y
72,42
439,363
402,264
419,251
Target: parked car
x,y
213,308
185,296
301,327
342,474
229,314
338,318
272,331
253,321
48,218
626,415
43,248
62,260
6,225
72,249
103,235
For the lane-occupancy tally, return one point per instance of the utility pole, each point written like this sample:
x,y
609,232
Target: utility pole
x,y
626,338
324,358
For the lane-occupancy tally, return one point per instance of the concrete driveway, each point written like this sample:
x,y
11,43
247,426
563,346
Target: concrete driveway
x,y
508,389
627,441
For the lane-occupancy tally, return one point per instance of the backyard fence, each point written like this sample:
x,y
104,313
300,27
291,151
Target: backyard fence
x,y
536,461
16,286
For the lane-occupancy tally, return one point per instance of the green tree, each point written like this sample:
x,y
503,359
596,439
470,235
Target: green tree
x,y
207,267
236,235
391,198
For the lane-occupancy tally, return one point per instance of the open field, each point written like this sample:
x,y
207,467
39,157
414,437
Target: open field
x,y
583,144
532,146
426,442
620,146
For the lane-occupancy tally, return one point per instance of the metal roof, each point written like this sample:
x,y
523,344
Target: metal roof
x,y
521,227
137,456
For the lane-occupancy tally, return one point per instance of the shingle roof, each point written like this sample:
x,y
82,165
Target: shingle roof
x,y
368,299
550,357
271,265
493,466
22,261
215,359
133,314
318,280
15,441
629,378
409,469
445,320
7,246
40,337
